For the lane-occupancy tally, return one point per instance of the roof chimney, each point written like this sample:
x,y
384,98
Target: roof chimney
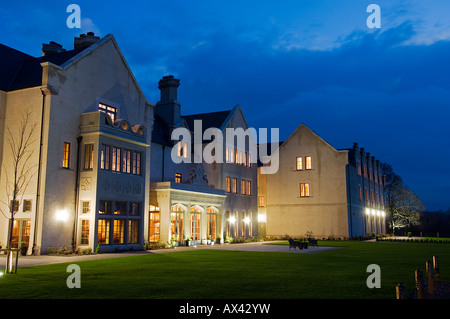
x,y
85,40
168,108
51,48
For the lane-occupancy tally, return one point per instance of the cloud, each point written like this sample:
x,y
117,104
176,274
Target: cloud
x,y
87,25
376,88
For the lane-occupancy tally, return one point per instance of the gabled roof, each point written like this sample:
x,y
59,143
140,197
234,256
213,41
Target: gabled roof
x,y
26,71
213,119
20,70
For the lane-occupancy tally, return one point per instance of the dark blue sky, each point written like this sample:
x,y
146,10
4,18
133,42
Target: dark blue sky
x,y
286,63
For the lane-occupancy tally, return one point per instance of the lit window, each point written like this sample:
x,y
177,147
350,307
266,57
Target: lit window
x,y
133,229
104,157
249,187
299,163
111,111
243,184
84,232
360,192
235,185
308,164
136,163
261,202
66,155
115,165
182,149
85,207
119,231
358,167
228,186
103,231
178,177
243,224
154,224
304,190
126,161
89,156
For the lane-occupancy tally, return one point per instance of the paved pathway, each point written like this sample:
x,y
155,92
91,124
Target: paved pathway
x,y
25,261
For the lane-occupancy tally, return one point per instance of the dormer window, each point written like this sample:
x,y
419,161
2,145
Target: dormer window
x,y
110,110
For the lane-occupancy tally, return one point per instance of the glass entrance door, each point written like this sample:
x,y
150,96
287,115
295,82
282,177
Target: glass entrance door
x,y
21,232
195,224
176,223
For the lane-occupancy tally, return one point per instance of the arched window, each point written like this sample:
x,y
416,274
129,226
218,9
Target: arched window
x,y
176,222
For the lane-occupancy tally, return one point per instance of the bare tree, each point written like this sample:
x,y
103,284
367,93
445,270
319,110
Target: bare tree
x,y
20,169
403,206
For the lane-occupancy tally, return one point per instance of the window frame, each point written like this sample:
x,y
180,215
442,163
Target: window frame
x,y
66,155
88,156
305,189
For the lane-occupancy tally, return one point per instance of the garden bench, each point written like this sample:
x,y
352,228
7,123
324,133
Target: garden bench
x,y
313,242
293,244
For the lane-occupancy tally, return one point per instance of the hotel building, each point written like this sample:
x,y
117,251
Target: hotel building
x,y
320,191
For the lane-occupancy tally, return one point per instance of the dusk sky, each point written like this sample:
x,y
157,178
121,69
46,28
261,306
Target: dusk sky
x,y
285,63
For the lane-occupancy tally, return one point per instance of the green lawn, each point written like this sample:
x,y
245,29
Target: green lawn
x,y
212,274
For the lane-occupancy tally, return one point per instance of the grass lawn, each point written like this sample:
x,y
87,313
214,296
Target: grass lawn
x,y
217,274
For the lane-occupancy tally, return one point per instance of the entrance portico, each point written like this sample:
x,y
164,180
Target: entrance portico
x,y
183,211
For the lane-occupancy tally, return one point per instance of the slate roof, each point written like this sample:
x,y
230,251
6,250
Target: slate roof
x,y
212,119
161,131
20,70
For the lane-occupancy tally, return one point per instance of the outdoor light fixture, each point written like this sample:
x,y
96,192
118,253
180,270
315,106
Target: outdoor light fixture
x,y
232,219
247,220
261,218
62,215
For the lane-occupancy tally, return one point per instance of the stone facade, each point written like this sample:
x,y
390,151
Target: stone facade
x,y
64,92
316,191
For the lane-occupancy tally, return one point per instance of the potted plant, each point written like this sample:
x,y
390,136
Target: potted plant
x,y
173,242
23,248
218,239
188,241
208,241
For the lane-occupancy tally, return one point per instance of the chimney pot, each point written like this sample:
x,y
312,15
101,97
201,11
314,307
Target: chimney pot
x,y
85,40
52,48
168,107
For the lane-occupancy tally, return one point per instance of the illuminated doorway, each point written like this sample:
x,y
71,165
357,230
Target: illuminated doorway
x,y
195,224
176,223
